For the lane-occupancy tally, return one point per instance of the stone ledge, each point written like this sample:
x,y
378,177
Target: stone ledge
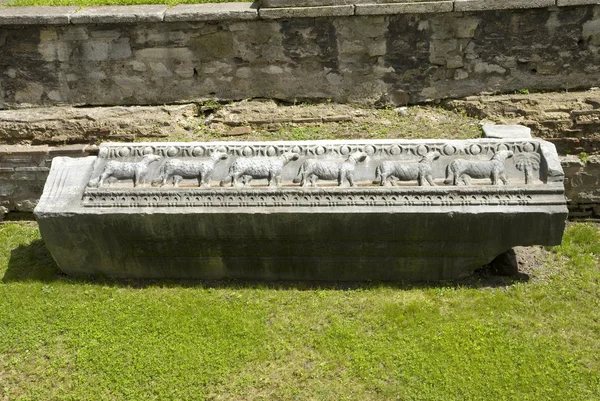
x,y
119,14
568,3
21,149
404,8
485,5
212,12
506,131
269,9
306,12
36,15
303,3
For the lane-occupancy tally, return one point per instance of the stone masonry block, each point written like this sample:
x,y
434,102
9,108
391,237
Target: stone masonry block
x,y
506,131
569,3
119,14
306,12
480,5
404,8
38,15
303,3
212,12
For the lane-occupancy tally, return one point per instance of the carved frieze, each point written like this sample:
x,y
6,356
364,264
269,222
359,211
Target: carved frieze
x,y
145,174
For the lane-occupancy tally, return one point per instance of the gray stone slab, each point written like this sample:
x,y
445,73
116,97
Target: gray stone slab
x,y
506,131
119,14
315,3
95,220
482,5
306,12
303,3
37,15
568,3
212,12
404,8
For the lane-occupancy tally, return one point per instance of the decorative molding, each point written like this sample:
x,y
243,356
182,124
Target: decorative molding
x,y
315,149
323,197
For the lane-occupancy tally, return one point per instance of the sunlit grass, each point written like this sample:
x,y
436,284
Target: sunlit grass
x,y
62,339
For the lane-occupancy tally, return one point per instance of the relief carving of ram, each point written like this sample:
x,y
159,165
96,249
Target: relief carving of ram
x,y
461,170
255,168
406,171
177,170
313,170
136,171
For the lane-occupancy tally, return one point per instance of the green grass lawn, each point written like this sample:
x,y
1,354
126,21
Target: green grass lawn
x,y
88,3
64,339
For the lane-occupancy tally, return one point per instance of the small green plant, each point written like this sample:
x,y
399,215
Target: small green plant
x,y
522,92
583,156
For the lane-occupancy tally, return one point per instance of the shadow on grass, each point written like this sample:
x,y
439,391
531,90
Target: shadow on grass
x,y
33,262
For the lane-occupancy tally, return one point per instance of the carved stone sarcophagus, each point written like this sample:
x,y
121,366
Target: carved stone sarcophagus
x,y
318,210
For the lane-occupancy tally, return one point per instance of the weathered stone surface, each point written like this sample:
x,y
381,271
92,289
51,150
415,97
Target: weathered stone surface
x,y
316,3
119,14
125,200
506,131
38,15
393,59
212,12
59,125
582,179
23,172
569,3
479,5
404,8
306,12
569,120
304,3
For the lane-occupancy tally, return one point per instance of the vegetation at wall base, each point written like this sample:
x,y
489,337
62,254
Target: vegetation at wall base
x,y
89,339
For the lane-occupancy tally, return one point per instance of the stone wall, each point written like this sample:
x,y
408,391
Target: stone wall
x,y
361,53
23,173
570,120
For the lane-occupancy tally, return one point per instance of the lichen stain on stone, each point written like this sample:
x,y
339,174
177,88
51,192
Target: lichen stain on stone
x,y
215,45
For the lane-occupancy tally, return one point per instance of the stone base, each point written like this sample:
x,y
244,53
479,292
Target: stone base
x,y
399,244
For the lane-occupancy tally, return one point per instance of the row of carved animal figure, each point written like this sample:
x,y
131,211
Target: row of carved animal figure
x,y
245,169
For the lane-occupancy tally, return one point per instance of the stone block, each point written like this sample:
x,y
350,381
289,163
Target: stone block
x,y
483,5
304,3
306,12
569,3
15,150
212,12
305,210
37,15
119,14
404,8
506,131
